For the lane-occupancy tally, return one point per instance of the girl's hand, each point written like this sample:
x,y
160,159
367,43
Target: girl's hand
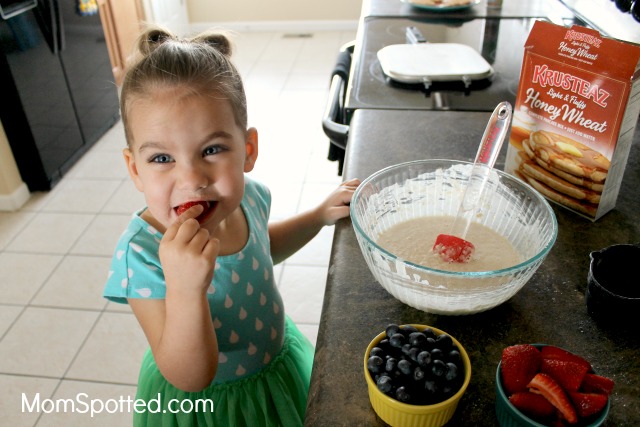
x,y
188,253
336,205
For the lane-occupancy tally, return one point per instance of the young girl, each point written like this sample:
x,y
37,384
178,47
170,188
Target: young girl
x,y
196,264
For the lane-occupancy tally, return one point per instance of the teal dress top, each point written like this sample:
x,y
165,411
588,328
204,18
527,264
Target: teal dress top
x,y
246,306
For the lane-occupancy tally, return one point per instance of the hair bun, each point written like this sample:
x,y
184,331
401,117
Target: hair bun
x,y
151,38
217,40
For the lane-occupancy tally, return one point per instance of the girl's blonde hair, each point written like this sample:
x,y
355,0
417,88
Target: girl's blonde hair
x,y
201,63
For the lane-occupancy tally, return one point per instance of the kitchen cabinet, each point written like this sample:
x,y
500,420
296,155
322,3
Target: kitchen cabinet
x,y
121,21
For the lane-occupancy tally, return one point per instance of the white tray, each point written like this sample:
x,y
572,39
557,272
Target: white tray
x,y
428,62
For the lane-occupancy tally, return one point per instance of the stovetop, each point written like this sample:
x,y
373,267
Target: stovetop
x,y
499,41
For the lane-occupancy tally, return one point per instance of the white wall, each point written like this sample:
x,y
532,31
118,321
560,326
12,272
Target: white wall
x,y
256,11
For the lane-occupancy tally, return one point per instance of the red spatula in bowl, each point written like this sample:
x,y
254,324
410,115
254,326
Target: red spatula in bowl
x,y
453,247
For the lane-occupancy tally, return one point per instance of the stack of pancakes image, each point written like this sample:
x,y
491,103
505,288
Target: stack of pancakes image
x,y
563,170
521,127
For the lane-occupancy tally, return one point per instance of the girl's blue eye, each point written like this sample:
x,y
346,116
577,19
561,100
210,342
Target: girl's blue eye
x,y
161,158
214,149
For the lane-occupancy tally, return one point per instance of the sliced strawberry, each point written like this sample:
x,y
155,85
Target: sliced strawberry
x,y
533,405
557,353
184,207
568,374
593,383
519,364
588,404
546,386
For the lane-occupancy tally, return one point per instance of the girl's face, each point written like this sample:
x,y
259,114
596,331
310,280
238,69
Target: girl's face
x,y
188,148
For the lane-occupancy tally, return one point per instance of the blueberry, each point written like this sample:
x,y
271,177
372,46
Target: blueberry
x,y
384,344
413,353
418,374
397,340
391,364
438,368
430,344
444,341
392,329
402,394
417,339
454,357
437,354
448,390
430,387
406,349
424,358
375,364
384,383
408,329
452,372
429,333
376,351
404,366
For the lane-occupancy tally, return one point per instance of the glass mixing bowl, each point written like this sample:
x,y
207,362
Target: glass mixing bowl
x,y
434,188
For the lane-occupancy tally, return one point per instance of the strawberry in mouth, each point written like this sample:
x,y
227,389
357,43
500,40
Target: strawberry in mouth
x,y
208,208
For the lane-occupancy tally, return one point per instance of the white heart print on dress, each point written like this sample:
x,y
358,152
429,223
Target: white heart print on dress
x,y
252,349
144,292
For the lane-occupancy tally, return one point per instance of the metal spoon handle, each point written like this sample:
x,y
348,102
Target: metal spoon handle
x,y
486,156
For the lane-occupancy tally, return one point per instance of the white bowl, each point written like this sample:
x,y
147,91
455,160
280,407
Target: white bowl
x,y
421,188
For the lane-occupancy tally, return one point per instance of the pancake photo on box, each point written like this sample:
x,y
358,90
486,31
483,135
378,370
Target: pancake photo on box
x,y
521,127
563,170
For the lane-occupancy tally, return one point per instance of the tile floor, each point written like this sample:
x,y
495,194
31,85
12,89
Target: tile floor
x,y
58,338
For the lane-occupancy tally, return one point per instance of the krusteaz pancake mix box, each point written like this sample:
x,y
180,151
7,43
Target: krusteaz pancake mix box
x,y
576,110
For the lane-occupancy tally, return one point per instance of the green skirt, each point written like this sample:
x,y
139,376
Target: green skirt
x,y
274,396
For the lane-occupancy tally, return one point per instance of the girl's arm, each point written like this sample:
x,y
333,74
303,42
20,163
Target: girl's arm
x,y
179,329
288,236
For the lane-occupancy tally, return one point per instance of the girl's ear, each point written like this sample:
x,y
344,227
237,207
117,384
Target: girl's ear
x,y
132,168
251,149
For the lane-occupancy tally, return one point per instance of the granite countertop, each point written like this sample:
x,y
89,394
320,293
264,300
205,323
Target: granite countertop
x,y
549,309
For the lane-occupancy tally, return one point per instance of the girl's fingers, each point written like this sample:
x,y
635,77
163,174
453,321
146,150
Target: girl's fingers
x,y
190,213
353,183
211,248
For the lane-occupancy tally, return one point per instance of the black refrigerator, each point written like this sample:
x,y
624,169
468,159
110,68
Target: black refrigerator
x,y
57,90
